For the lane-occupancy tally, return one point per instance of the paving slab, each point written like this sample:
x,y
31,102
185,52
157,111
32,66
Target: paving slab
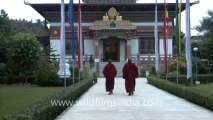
x,y
148,103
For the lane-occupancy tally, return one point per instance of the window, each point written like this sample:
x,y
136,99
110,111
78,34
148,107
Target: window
x,y
146,45
112,25
68,44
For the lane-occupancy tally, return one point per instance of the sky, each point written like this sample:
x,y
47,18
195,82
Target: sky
x,y
16,9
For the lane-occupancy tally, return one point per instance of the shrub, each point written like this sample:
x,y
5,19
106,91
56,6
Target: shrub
x,y
76,73
143,72
181,63
22,79
149,68
153,70
48,76
95,75
2,69
3,80
173,73
10,77
202,69
23,54
85,73
204,79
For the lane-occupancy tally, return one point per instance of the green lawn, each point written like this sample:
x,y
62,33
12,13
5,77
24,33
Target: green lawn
x,y
205,88
16,97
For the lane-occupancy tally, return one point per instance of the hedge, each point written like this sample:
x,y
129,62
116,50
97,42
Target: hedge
x,y
43,110
182,91
3,80
203,78
16,79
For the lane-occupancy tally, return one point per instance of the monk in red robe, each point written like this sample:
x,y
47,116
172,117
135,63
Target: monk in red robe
x,y
109,73
130,73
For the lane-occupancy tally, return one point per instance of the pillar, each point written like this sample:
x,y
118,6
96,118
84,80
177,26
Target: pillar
x,y
96,55
128,49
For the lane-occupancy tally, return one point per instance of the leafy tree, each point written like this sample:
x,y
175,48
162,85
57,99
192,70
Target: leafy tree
x,y
9,27
13,26
5,27
23,54
206,27
25,26
3,49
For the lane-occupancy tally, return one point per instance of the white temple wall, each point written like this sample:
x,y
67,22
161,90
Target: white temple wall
x,y
122,50
169,47
89,46
100,49
55,46
134,46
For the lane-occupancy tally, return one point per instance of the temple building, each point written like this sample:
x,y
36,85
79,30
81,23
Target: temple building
x,y
112,29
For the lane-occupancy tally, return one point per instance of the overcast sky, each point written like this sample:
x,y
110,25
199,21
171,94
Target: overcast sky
x,y
16,9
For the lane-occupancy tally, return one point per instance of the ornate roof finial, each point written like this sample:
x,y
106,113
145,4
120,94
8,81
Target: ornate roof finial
x,y
112,13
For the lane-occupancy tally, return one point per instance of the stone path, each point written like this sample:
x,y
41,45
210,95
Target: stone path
x,y
148,103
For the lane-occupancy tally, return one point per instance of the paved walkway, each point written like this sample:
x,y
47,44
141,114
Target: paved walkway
x,y
148,103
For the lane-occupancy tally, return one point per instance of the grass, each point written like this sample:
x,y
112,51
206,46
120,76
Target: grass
x,y
207,89
16,97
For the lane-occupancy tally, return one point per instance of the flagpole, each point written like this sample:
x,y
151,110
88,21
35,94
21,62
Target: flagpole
x,y
79,75
167,56
73,43
177,38
156,42
190,42
63,37
73,72
177,69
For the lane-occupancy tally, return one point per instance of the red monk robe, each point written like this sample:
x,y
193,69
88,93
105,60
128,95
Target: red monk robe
x,y
109,73
130,73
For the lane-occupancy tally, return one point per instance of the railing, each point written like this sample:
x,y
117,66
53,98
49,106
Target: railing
x,y
143,58
150,58
68,58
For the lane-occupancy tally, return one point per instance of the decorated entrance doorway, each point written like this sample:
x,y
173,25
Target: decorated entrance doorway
x,y
111,49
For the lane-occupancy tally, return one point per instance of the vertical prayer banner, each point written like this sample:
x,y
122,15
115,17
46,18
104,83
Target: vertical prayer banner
x,y
166,21
80,54
62,68
188,41
177,30
71,22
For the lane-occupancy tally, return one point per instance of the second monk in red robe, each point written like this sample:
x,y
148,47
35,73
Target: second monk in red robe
x,y
130,73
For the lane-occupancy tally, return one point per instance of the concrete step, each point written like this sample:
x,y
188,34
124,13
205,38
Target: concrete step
x,y
118,66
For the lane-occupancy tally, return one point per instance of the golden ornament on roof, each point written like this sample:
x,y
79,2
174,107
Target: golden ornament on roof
x,y
112,13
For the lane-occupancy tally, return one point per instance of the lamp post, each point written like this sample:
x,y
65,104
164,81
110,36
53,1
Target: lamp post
x,y
195,49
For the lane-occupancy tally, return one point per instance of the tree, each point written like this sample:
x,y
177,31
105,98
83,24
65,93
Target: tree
x,y
25,26
206,27
23,54
3,49
5,27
